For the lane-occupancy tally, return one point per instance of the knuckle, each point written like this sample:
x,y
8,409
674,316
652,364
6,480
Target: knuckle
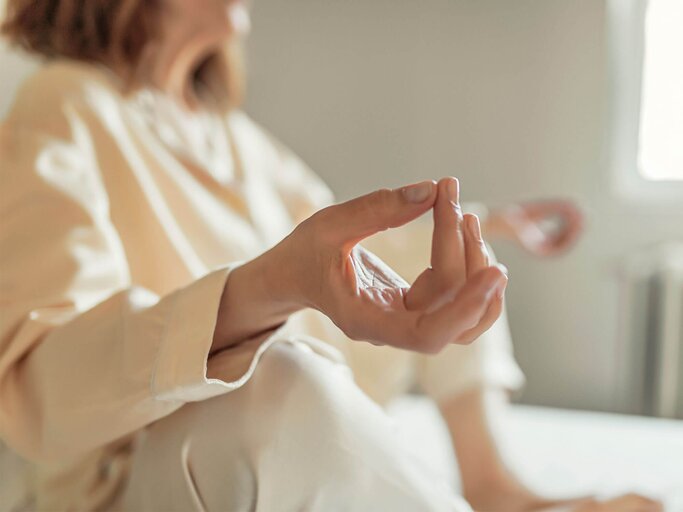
x,y
487,278
467,339
323,214
317,226
435,349
318,220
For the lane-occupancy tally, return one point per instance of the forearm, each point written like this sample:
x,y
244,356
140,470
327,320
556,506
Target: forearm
x,y
472,433
138,357
474,420
257,298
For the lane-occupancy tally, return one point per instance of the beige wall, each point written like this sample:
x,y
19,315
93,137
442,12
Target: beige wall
x,y
513,97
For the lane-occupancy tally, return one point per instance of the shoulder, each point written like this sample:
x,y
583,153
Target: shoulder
x,y
45,99
49,133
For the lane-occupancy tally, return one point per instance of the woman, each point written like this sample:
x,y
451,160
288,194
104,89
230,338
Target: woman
x,y
157,297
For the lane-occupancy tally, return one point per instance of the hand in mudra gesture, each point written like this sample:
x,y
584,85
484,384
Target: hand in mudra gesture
x,y
321,265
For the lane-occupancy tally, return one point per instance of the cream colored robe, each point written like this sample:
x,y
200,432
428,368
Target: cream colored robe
x,y
120,220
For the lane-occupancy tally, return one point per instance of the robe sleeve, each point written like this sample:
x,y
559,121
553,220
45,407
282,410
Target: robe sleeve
x,y
86,356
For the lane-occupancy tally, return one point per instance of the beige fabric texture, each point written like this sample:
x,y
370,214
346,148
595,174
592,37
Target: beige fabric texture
x,y
121,219
300,435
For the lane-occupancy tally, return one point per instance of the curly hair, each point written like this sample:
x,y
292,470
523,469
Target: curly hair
x,y
114,33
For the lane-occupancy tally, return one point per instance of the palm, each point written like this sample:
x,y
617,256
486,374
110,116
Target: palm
x,y
453,301
375,281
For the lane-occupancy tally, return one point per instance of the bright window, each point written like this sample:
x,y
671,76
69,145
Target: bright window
x,y
661,128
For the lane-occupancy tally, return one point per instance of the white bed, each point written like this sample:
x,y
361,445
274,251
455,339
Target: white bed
x,y
561,453
567,453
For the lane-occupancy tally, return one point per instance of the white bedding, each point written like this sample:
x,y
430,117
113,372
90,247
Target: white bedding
x,y
561,453
567,453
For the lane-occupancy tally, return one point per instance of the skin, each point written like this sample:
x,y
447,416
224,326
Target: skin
x,y
523,223
321,265
474,420
190,31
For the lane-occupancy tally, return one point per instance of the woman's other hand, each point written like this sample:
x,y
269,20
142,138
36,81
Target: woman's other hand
x,y
320,265
543,228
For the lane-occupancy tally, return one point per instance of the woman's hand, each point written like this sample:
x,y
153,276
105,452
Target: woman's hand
x,y
543,228
320,265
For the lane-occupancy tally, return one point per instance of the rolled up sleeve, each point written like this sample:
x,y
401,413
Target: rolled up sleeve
x,y
180,370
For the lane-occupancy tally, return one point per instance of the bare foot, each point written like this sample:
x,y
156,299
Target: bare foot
x,y
626,503
508,495
517,498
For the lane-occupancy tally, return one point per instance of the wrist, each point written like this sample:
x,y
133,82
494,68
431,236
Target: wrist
x,y
274,277
256,299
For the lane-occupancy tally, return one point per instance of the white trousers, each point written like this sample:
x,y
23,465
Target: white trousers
x,y
300,435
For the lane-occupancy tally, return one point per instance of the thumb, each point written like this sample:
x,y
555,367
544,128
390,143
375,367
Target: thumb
x,y
359,218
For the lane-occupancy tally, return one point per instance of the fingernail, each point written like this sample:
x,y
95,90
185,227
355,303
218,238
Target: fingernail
x,y
419,192
453,189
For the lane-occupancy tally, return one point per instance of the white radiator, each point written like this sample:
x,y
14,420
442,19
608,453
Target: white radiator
x,y
652,331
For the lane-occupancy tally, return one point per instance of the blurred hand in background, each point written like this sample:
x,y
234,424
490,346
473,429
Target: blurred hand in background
x,y
543,228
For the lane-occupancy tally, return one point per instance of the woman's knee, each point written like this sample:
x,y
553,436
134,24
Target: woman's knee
x,y
297,390
294,392
298,432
